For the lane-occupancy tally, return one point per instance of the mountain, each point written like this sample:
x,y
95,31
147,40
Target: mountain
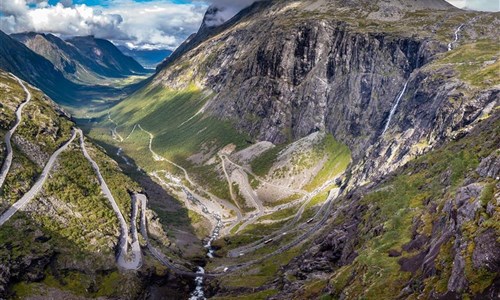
x,y
58,68
313,149
18,59
355,141
72,62
81,64
147,58
107,55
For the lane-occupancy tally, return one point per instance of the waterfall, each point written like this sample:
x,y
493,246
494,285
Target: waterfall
x,y
394,107
450,45
198,293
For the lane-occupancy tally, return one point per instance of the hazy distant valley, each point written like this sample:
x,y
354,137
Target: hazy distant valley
x,y
306,149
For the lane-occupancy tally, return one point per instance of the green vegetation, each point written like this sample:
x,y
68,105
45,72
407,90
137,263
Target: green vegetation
x,y
21,177
477,63
120,185
339,157
262,164
281,214
312,290
85,214
170,115
12,95
42,125
261,273
250,234
285,200
313,206
208,178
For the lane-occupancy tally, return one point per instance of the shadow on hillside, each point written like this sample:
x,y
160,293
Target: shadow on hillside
x,y
172,213
75,95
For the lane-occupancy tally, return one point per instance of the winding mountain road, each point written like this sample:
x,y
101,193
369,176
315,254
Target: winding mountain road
x,y
136,246
8,159
122,261
229,269
143,200
38,184
229,183
158,157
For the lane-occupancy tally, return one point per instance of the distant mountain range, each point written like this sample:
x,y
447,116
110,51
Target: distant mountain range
x,y
147,58
30,66
65,69
81,58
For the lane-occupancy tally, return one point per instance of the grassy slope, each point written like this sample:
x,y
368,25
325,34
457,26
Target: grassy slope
x,y
477,63
163,111
339,157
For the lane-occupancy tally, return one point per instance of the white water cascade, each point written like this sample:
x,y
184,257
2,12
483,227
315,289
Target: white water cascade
x,y
457,31
394,107
198,293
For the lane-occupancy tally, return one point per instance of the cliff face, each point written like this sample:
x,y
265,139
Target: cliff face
x,y
283,70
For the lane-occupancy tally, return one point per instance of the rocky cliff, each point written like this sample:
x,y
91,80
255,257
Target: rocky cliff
x,y
428,230
286,69
418,108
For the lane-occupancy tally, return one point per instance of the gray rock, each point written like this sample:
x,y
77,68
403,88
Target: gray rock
x,y
490,166
457,281
487,251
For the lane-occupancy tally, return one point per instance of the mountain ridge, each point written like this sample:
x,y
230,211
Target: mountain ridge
x,y
314,149
78,63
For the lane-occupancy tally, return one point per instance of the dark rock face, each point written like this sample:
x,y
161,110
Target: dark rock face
x,y
490,166
280,80
487,251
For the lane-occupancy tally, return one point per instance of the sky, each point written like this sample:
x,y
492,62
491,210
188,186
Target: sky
x,y
143,24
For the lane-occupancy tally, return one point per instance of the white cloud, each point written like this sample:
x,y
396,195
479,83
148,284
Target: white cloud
x,y
226,9
482,5
153,25
158,24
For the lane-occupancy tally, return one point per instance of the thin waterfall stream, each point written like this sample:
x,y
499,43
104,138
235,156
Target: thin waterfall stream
x,y
457,31
394,107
